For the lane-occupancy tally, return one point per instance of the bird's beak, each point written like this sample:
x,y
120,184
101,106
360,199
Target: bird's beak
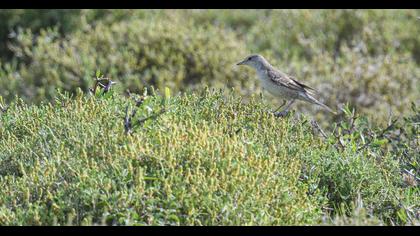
x,y
240,63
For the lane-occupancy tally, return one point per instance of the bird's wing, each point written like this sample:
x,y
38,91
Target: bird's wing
x,y
282,79
302,85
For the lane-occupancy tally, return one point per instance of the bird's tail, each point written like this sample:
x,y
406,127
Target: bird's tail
x,y
313,100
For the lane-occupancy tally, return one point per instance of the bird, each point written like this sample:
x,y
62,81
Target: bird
x,y
281,85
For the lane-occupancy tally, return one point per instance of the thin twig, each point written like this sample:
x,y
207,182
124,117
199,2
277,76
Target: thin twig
x,y
128,124
316,126
127,121
408,172
154,116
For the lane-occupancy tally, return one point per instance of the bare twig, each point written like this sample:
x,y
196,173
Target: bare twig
x,y
127,121
409,172
154,116
129,125
316,127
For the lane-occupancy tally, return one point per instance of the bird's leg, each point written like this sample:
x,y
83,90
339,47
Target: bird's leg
x,y
286,110
284,102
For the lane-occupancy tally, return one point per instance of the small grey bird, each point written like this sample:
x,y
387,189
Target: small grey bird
x,y
281,85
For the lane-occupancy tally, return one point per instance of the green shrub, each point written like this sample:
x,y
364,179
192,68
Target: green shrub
x,y
373,85
306,33
185,167
208,160
35,19
65,20
367,58
138,53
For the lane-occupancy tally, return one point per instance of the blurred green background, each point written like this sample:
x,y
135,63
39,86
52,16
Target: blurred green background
x,y
367,58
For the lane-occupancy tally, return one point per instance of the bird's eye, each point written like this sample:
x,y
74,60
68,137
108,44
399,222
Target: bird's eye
x,y
249,58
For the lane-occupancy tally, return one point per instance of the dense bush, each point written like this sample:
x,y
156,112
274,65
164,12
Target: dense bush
x,y
371,84
367,58
306,33
207,160
183,168
137,54
35,19
65,20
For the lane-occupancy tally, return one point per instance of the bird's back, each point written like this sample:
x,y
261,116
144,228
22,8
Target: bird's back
x,y
281,85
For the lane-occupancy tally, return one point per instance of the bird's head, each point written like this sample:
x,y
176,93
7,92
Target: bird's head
x,y
256,61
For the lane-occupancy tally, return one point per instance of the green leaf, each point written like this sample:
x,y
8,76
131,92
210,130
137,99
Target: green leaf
x,y
167,93
150,178
380,142
173,218
402,215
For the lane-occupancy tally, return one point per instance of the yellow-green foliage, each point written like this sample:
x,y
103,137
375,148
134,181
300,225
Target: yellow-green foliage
x,y
208,160
137,54
35,19
367,58
373,85
305,33
12,21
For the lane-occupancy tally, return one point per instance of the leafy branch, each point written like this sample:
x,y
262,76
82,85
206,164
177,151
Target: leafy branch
x,y
130,123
